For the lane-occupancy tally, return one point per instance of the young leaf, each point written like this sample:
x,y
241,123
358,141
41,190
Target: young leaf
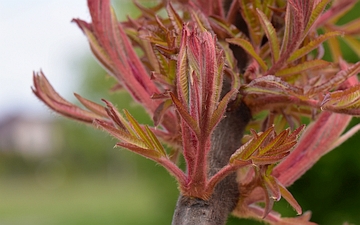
x,y
310,65
185,115
219,111
121,135
244,153
344,101
139,130
247,46
182,75
45,92
271,35
92,106
312,45
274,143
289,198
249,14
148,153
336,80
174,18
315,13
155,141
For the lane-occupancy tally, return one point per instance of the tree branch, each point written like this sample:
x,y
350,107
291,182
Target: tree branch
x,y
225,140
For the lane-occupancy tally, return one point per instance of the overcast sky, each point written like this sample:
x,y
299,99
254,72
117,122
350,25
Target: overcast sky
x,y
38,34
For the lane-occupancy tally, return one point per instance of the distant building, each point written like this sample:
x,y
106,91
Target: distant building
x,y
31,137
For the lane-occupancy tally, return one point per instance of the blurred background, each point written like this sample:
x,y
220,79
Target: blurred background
x,y
57,171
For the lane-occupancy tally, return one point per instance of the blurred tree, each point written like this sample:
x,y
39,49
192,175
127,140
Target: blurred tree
x,y
337,171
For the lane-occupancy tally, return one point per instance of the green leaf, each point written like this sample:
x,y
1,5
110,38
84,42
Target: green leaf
x,y
247,46
271,35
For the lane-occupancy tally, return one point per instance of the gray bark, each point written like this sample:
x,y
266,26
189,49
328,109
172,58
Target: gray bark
x,y
225,140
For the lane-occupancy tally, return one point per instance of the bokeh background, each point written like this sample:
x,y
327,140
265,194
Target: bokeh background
x,y
57,171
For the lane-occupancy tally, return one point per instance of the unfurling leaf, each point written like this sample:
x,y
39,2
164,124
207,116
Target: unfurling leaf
x,y
268,147
247,150
336,80
343,101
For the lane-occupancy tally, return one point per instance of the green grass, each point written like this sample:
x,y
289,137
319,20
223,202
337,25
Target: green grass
x,y
83,200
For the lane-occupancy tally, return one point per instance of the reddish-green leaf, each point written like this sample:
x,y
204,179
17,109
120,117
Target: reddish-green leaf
x,y
121,135
174,18
185,115
315,13
310,65
220,110
274,143
289,198
336,80
45,92
135,125
161,110
182,75
272,187
92,106
312,45
271,35
247,46
345,100
244,153
148,153
268,159
155,141
272,85
249,14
